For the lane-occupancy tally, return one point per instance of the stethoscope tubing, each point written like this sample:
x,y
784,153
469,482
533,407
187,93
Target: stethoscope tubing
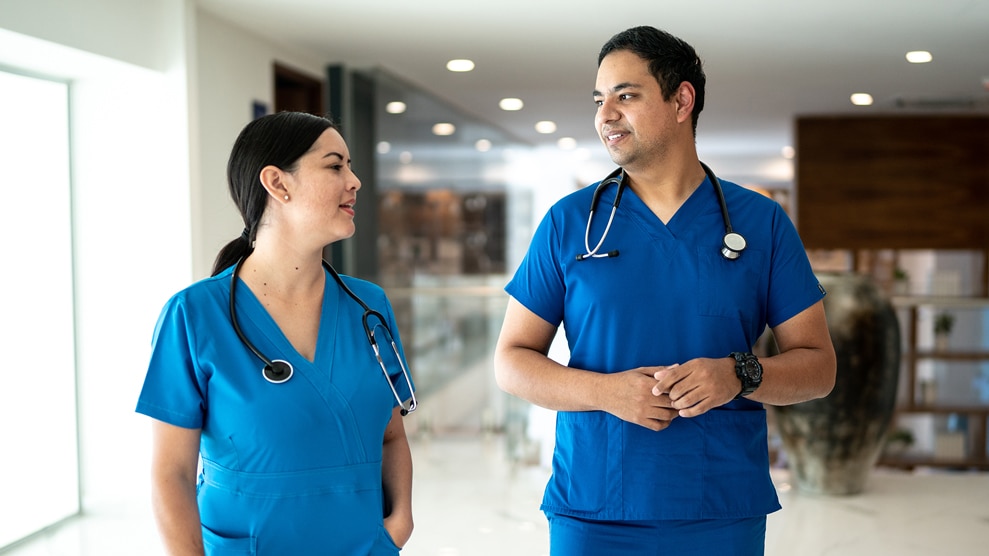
x,y
277,371
732,243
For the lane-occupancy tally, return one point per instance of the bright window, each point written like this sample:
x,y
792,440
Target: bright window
x,y
39,476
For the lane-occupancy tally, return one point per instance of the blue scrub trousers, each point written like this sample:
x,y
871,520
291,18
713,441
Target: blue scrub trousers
x,y
571,536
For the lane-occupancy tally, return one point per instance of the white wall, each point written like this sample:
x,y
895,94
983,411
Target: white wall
x,y
138,33
233,69
130,209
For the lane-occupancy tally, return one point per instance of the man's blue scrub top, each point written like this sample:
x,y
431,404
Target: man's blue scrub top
x,y
667,298
291,468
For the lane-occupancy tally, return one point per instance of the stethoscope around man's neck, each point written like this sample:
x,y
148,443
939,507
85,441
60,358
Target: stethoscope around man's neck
x,y
277,371
732,244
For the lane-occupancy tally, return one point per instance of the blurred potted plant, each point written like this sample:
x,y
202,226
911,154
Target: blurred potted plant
x,y
898,441
901,282
943,323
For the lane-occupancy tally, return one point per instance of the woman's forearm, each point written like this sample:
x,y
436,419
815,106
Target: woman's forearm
x,y
177,516
396,480
173,488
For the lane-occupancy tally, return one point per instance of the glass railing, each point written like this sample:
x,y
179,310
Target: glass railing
x,y
449,325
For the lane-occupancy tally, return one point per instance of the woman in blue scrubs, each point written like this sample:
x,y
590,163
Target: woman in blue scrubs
x,y
311,461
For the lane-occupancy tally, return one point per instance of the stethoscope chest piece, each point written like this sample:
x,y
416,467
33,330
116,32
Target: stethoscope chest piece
x,y
278,371
732,245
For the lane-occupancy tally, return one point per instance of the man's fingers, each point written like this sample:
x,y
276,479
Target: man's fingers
x,y
664,371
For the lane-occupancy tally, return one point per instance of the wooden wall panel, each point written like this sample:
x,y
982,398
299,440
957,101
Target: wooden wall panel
x,y
893,182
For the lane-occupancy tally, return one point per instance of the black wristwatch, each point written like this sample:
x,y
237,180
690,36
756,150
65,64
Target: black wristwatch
x,y
749,372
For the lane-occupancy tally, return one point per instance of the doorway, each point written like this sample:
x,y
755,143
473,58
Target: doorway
x,y
297,92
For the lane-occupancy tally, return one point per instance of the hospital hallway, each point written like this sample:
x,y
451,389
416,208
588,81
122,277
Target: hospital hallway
x,y
472,499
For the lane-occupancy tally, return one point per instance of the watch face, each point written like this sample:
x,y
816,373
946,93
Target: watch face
x,y
749,372
753,369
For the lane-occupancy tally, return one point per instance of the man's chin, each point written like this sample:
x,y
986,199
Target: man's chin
x,y
619,158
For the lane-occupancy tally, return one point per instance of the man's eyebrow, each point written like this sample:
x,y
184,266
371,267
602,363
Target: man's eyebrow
x,y
616,88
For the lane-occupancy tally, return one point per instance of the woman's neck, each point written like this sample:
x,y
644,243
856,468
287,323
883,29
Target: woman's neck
x,y
283,271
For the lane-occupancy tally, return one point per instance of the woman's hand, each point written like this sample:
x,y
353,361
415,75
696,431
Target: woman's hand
x,y
399,527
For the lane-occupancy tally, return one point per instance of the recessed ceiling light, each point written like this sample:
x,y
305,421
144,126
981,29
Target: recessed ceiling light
x,y
566,143
545,126
384,147
395,107
444,129
460,65
405,157
919,57
482,145
510,104
788,152
862,99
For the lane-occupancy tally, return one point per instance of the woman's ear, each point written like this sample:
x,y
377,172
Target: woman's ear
x,y
273,180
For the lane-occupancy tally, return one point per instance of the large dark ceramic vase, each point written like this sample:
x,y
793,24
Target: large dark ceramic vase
x,y
832,443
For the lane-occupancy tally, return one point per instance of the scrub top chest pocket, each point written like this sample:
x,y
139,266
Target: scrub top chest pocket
x,y
732,289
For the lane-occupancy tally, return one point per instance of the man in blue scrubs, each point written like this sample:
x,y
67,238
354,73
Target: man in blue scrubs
x,y
661,432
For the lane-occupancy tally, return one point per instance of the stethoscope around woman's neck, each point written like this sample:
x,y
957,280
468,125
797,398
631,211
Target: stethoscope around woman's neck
x,y
277,371
732,244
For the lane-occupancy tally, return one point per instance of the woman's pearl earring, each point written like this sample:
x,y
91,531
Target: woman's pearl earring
x,y
286,197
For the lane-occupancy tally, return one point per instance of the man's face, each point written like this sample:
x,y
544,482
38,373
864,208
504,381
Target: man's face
x,y
634,122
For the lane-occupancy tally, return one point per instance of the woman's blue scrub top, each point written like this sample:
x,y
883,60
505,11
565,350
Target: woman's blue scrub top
x,y
670,296
290,468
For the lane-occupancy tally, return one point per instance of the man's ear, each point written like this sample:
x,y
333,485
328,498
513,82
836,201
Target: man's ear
x,y
273,181
684,96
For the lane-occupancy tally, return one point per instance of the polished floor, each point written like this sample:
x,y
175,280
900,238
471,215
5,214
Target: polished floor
x,y
471,499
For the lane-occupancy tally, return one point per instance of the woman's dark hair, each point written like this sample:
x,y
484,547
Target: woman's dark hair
x,y
274,140
671,61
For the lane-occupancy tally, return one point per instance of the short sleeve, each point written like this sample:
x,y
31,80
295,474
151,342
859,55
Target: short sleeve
x,y
793,286
174,389
375,296
538,283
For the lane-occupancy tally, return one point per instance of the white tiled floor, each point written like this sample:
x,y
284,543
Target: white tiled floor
x,y
470,501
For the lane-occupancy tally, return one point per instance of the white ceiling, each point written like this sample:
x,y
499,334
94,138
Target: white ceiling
x,y
767,61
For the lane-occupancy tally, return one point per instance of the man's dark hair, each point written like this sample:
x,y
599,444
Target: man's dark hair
x,y
671,61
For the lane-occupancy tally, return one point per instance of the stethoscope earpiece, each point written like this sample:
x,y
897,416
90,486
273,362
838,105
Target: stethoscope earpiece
x,y
277,371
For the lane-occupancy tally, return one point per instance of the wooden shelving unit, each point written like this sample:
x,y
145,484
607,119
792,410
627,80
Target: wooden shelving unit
x,y
976,415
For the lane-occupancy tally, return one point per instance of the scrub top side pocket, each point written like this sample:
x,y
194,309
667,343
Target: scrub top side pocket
x,y
384,545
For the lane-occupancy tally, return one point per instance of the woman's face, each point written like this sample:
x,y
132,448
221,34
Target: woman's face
x,y
324,189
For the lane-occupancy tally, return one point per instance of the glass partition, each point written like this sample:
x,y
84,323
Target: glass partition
x,y
443,202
